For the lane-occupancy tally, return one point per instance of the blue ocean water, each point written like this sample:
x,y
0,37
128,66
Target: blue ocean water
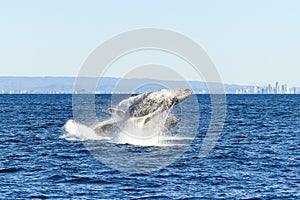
x,y
257,155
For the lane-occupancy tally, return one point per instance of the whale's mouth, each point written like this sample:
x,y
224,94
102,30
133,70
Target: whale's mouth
x,y
182,94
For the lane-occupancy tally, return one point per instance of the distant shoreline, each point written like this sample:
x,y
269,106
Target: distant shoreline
x,y
111,85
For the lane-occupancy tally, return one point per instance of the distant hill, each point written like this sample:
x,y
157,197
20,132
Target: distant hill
x,y
10,84
36,84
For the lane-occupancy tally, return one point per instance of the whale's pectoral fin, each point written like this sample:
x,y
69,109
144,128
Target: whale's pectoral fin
x,y
105,128
171,122
116,111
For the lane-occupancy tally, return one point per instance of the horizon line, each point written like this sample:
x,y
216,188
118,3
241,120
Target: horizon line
x,y
72,76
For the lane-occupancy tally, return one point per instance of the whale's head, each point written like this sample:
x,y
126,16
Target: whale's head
x,y
181,94
158,101
147,103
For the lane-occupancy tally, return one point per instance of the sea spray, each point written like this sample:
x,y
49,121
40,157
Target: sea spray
x,y
132,131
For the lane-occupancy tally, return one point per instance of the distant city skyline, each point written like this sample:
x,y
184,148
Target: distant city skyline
x,y
268,89
251,42
107,85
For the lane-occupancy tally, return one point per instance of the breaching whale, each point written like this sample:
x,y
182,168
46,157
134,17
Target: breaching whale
x,y
142,109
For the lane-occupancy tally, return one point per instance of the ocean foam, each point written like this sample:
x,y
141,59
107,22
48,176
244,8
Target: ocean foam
x,y
132,131
76,131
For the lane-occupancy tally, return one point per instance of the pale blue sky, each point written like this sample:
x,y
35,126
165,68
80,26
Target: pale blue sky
x,y
250,41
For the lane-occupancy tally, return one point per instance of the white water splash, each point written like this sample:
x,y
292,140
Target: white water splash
x,y
76,131
135,131
132,131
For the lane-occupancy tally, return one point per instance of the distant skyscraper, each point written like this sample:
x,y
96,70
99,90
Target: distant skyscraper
x,y
287,90
284,89
255,90
276,89
270,89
